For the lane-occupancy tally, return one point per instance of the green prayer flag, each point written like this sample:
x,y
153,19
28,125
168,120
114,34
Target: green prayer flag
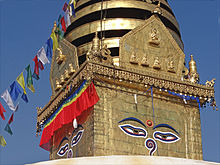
x,y
29,79
8,129
2,141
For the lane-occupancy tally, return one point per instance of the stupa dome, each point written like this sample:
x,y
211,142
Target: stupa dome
x,y
118,18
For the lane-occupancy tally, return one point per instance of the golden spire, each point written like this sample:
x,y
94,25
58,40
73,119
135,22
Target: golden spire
x,y
54,26
193,75
157,10
96,43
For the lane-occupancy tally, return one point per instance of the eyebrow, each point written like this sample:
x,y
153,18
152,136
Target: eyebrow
x,y
65,138
79,125
133,119
167,126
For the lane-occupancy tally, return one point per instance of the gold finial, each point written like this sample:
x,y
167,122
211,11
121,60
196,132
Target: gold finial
x,y
66,75
62,81
58,86
54,26
96,43
156,63
71,69
193,75
157,10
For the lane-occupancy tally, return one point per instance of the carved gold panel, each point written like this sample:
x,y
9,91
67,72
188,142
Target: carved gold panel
x,y
64,64
151,47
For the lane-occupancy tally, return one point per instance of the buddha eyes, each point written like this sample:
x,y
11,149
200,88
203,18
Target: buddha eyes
x,y
133,131
77,138
165,137
63,150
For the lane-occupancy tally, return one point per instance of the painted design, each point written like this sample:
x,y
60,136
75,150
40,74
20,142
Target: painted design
x,y
166,126
165,137
133,119
62,151
149,123
70,153
77,138
133,131
151,145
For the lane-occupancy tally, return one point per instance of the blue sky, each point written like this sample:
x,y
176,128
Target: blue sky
x,y
26,25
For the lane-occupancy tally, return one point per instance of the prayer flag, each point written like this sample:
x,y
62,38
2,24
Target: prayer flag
x,y
7,97
67,17
11,119
41,55
36,68
60,16
55,43
41,66
24,97
29,79
63,24
49,48
14,92
20,80
2,110
8,129
65,6
73,9
2,141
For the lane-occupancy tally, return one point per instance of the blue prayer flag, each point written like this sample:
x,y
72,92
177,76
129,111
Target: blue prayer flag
x,y
35,76
14,92
24,97
73,9
8,129
49,48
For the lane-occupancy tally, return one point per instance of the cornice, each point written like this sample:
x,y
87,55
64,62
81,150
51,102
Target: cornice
x,y
128,78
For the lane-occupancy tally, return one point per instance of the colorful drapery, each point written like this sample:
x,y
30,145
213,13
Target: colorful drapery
x,y
72,107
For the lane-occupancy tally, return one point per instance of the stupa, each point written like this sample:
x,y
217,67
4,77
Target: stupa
x,y
120,85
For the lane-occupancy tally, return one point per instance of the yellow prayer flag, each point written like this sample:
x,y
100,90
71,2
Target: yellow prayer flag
x,y
20,80
55,43
2,141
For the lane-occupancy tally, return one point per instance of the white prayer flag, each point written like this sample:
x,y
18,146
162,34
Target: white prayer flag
x,y
41,55
7,97
67,15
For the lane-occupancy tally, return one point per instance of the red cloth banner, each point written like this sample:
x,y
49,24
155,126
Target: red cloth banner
x,y
70,110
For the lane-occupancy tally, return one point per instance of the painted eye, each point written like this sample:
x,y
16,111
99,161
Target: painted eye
x,y
77,138
63,150
70,153
133,131
165,137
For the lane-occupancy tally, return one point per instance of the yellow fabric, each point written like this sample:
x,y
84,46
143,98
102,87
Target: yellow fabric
x,y
2,141
55,43
20,80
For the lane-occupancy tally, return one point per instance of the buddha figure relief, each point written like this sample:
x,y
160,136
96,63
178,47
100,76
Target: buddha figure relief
x,y
154,37
144,61
133,58
171,66
156,63
61,57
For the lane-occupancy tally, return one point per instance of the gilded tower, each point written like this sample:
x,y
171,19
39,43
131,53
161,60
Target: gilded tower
x,y
141,99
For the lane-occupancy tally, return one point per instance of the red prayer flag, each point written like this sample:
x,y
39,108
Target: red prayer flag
x,y
36,67
63,24
41,66
65,7
11,119
1,111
